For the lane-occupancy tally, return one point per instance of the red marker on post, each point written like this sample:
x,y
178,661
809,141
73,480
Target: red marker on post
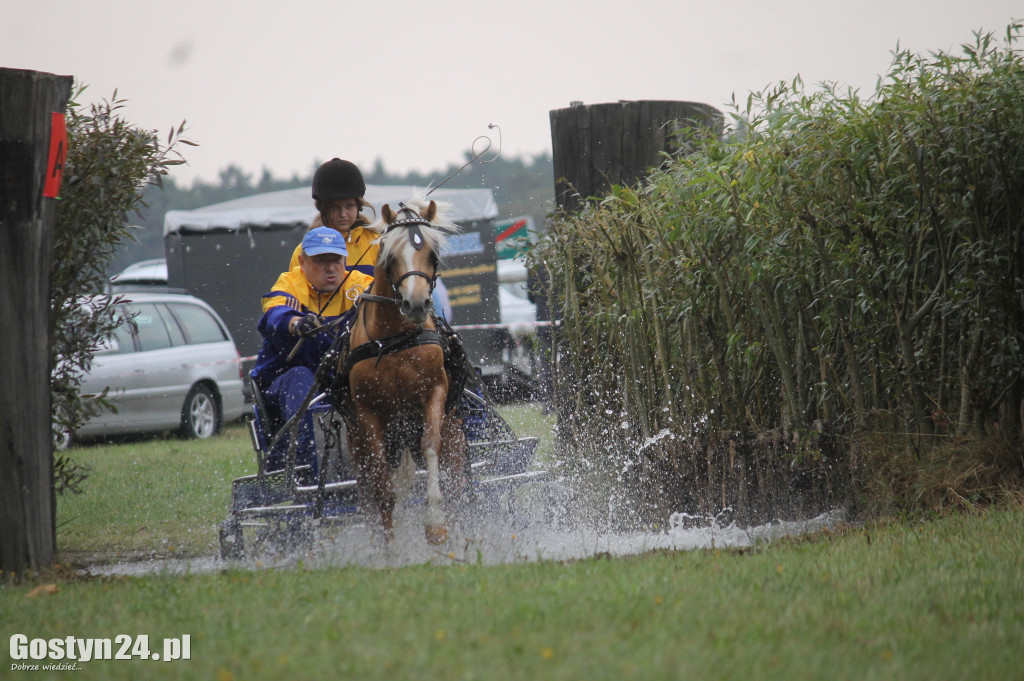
x,y
58,154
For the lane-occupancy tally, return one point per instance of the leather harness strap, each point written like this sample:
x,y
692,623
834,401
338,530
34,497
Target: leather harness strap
x,y
400,341
455,361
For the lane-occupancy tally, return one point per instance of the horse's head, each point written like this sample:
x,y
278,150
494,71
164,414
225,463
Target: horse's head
x,y
410,247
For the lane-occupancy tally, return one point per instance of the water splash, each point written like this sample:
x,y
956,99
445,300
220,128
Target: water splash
x,y
536,532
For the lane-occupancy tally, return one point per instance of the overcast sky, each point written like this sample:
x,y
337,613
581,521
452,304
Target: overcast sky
x,y
281,84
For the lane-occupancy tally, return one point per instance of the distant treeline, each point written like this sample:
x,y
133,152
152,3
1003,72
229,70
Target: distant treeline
x,y
522,186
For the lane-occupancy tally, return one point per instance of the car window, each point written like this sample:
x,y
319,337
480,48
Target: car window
x,y
173,327
152,332
200,326
121,341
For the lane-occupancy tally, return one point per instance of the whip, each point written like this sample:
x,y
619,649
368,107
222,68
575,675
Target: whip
x,y
476,155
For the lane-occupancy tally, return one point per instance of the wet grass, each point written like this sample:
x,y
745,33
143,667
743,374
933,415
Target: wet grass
x,y
942,599
155,497
529,420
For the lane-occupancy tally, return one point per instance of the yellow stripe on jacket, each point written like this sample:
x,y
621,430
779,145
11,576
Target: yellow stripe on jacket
x,y
293,290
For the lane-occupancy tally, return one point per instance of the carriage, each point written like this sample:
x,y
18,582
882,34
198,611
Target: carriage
x,y
360,437
271,509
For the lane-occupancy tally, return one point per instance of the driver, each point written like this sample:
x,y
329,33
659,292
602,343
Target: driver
x,y
318,291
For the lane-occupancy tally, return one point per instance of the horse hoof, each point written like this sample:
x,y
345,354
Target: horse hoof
x,y
436,534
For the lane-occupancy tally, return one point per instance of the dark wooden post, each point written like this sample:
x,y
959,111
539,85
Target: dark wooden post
x,y
28,102
594,147
598,145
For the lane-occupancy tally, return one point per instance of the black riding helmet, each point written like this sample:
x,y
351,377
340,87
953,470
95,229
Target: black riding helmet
x,y
337,179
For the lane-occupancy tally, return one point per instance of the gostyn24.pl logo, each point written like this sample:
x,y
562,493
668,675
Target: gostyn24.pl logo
x,y
70,650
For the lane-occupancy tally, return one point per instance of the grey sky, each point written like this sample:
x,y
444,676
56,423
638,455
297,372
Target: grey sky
x,y
282,84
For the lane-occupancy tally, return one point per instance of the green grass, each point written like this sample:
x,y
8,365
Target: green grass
x,y
162,497
938,600
942,599
527,420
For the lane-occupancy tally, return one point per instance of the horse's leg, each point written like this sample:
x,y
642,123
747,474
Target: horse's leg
x,y
372,472
430,445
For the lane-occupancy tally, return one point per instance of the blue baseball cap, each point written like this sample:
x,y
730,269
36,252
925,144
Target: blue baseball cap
x,y
324,240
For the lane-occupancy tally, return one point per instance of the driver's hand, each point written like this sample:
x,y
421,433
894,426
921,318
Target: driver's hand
x,y
306,325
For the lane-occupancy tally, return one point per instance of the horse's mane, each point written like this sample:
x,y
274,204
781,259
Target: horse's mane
x,y
436,234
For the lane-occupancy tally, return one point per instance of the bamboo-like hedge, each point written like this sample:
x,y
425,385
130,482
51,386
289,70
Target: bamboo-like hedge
x,y
837,267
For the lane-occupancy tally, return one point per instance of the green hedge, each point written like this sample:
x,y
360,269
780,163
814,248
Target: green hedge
x,y
837,265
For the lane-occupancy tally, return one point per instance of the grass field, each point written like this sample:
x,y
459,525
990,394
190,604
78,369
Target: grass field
x,y
941,598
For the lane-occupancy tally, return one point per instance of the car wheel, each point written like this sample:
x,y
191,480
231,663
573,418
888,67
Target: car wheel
x,y
200,415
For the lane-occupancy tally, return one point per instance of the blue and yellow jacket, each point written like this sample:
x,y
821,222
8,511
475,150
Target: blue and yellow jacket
x,y
292,296
362,252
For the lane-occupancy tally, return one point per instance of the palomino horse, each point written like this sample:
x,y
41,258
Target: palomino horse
x,y
398,382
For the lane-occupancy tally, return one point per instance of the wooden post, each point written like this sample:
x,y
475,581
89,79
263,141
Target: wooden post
x,y
596,146
28,102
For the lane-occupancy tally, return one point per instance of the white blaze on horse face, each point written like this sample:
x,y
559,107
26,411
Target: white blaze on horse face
x,y
410,286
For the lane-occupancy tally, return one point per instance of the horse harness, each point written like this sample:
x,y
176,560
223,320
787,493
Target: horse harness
x,y
400,341
378,347
456,363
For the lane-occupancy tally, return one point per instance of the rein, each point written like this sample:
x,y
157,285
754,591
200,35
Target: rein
x,y
341,285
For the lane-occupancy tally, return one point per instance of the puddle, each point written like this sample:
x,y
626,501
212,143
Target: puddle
x,y
488,542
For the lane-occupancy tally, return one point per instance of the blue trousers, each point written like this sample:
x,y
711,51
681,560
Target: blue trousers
x,y
283,398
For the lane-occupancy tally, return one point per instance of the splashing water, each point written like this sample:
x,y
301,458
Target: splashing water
x,y
536,531
550,519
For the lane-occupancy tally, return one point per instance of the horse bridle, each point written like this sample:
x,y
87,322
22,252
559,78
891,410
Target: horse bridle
x,y
413,224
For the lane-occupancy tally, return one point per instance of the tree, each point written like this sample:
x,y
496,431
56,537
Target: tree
x,y
109,163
